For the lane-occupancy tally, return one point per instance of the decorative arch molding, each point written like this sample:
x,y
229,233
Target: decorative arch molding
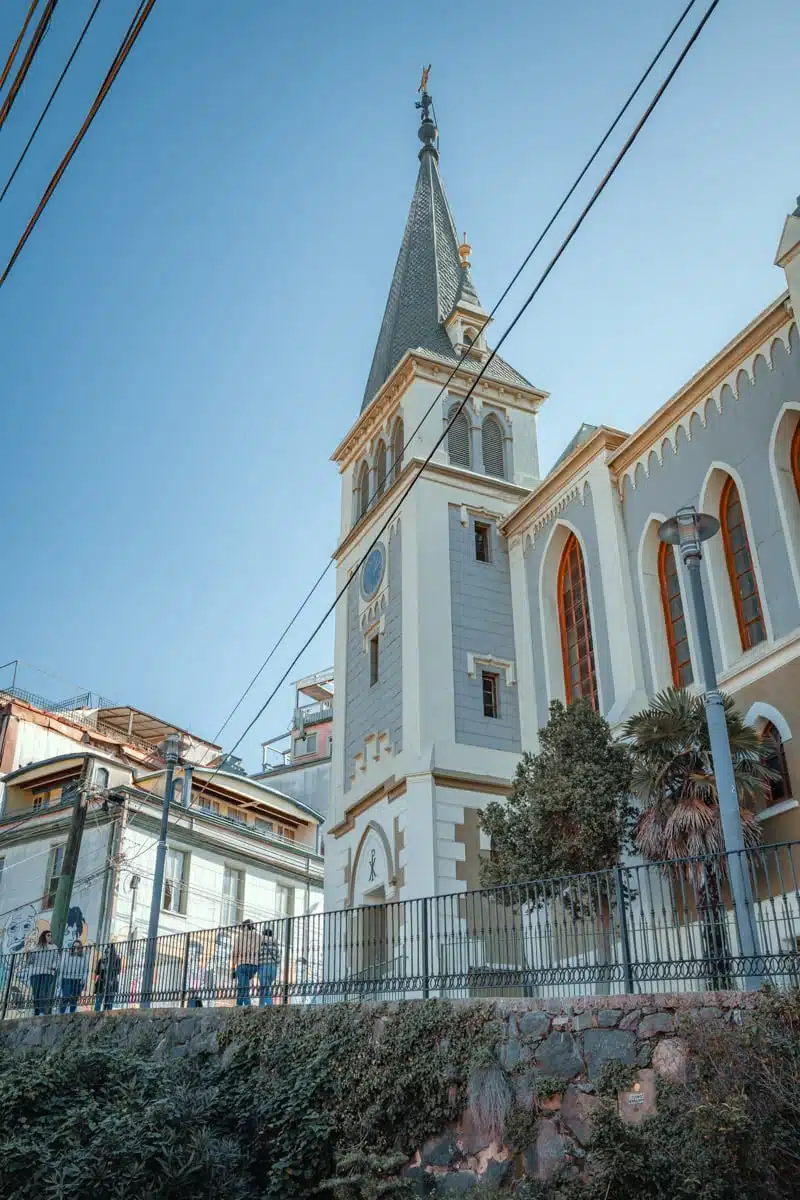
x,y
549,610
761,711
722,600
785,483
741,377
373,837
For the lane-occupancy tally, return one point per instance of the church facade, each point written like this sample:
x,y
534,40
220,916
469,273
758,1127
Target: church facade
x,y
491,590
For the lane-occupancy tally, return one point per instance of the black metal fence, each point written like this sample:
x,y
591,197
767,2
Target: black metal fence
x,y
667,926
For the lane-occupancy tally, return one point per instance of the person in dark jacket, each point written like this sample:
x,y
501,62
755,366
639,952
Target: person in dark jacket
x,y
106,979
43,964
269,957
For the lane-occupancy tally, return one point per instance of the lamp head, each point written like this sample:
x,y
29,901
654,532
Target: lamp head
x,y
687,529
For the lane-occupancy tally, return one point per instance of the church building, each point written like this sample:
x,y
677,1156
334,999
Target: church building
x,y
492,590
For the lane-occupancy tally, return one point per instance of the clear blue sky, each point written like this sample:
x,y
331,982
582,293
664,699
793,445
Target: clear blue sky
x,y
186,337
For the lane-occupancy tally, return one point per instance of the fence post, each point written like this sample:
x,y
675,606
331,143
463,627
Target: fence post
x,y
185,974
425,959
7,988
287,950
623,930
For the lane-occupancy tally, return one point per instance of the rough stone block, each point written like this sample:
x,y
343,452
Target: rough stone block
x,y
671,1059
577,1110
645,1055
660,1022
559,1055
534,1024
601,1046
631,1019
458,1183
608,1018
511,1053
639,1103
547,1154
440,1152
498,1172
582,1020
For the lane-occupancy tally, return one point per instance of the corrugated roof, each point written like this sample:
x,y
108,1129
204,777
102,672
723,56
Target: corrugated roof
x,y
427,280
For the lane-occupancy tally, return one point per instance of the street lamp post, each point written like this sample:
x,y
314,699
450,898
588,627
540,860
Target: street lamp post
x,y
687,530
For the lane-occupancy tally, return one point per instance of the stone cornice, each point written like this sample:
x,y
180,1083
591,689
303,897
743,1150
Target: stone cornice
x,y
415,364
561,483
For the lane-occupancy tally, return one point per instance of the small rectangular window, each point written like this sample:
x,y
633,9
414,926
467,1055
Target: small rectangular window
x,y
232,896
491,707
54,866
284,900
209,806
374,663
482,534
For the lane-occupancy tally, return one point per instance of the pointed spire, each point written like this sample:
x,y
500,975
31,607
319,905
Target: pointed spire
x,y
431,274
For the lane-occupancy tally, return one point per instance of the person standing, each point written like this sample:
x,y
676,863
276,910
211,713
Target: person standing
x,y
106,978
43,965
74,969
269,956
245,960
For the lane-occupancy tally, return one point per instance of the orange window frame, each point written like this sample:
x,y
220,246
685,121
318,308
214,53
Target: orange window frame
x,y
749,627
794,455
680,657
573,610
770,732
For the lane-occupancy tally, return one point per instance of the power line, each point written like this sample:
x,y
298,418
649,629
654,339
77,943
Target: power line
x,y
408,441
134,29
28,57
15,48
52,97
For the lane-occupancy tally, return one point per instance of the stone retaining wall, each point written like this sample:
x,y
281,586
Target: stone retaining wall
x,y
552,1053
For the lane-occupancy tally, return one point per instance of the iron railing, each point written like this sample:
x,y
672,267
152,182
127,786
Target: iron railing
x,y
636,928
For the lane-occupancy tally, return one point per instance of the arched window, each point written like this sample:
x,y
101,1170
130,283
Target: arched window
x,y
794,455
398,443
469,337
492,439
458,441
747,602
101,779
674,619
580,678
774,756
380,469
362,491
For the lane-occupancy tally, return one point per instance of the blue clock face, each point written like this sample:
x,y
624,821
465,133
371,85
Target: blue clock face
x,y
372,574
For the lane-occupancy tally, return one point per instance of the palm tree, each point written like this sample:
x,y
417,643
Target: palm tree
x,y
673,775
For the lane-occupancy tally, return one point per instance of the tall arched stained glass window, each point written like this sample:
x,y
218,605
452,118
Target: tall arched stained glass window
x,y
580,677
680,658
746,600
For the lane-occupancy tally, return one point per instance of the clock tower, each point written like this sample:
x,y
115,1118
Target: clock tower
x,y
431,636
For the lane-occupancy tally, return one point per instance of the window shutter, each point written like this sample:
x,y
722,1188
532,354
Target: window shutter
x,y
492,438
398,441
363,490
381,468
458,441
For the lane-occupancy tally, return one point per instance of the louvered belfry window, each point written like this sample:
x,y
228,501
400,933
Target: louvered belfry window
x,y
493,456
363,490
458,441
747,602
380,468
398,441
580,677
680,659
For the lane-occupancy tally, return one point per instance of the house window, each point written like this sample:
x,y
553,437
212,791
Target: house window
x,y
749,614
305,745
177,791
674,619
774,756
209,806
458,449
54,865
374,661
101,779
580,678
263,826
176,875
794,455
284,900
236,814
398,443
492,441
362,491
491,704
380,469
232,896
40,801
482,542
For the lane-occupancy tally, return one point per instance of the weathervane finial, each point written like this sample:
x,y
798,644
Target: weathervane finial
x,y
425,102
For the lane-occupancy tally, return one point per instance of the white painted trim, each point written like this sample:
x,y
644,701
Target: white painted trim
x,y
766,712
487,660
783,483
523,645
776,809
722,601
761,661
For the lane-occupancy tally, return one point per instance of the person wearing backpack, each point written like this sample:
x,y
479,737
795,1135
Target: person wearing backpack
x,y
269,956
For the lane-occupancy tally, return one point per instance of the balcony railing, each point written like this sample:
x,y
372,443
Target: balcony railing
x,y
312,714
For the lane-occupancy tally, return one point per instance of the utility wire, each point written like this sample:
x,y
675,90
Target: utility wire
x,y
53,94
15,48
459,408
134,29
465,354
28,57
